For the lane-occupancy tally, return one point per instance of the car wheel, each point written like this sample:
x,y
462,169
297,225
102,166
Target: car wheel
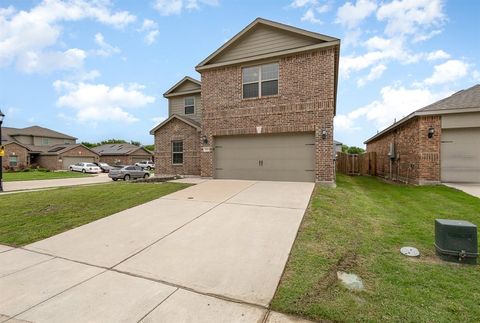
x,y
126,178
146,176
114,179
84,171
71,169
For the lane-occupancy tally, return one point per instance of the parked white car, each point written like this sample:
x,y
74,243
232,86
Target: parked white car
x,y
85,168
146,164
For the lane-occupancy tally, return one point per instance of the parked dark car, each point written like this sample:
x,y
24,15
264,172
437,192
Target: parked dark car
x,y
127,173
104,167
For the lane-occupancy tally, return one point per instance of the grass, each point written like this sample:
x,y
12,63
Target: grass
x,y
359,227
36,175
32,216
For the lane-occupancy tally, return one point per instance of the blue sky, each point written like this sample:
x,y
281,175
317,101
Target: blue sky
x,y
98,69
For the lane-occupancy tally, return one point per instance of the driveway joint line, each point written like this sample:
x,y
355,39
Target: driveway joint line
x,y
180,227
59,293
28,267
189,289
64,258
272,206
156,306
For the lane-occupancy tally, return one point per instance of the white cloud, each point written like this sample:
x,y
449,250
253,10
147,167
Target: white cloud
x,y
312,7
98,103
309,16
151,29
450,71
350,15
48,61
375,73
175,7
411,16
27,37
158,120
396,102
476,75
105,49
436,55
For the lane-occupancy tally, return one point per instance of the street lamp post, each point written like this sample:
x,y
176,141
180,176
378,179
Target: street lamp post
x,y
1,158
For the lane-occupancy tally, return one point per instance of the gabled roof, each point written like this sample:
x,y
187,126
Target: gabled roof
x,y
463,101
186,120
35,131
118,149
187,79
319,41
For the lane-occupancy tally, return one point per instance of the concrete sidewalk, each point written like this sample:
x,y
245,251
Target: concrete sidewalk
x,y
214,252
48,183
469,188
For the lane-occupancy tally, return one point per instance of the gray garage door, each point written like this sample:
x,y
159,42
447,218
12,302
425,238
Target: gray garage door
x,y
289,157
67,161
460,155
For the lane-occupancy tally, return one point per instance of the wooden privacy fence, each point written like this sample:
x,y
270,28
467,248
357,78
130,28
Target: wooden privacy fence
x,y
356,164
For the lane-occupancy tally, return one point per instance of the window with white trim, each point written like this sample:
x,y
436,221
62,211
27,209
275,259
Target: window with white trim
x,y
190,105
259,81
177,152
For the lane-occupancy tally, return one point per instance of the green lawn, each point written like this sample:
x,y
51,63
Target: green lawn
x,y
36,175
28,217
359,227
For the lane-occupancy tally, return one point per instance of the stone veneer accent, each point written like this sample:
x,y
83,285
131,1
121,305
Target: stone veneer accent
x,y
177,130
418,157
305,103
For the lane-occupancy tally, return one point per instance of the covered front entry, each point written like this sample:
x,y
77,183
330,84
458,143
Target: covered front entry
x,y
67,161
460,155
273,157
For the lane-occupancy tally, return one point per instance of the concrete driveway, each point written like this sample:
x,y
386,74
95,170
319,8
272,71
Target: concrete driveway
x,y
48,183
213,252
469,188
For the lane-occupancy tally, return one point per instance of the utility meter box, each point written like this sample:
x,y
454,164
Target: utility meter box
x,y
456,241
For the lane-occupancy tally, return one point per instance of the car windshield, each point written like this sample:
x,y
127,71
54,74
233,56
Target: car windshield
x,y
103,164
91,165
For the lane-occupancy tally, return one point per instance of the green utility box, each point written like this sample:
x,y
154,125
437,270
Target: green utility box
x,y
456,241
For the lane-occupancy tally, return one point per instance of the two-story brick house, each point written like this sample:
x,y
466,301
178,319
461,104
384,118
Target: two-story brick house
x,y
264,109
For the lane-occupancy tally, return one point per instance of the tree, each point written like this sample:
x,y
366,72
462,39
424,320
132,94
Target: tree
x,y
136,143
344,148
149,147
355,150
113,141
89,144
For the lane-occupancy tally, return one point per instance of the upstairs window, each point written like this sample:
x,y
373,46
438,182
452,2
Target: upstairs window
x,y
189,105
177,152
260,80
45,141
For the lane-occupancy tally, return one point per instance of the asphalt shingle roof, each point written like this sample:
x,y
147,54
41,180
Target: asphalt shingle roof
x,y
469,98
115,149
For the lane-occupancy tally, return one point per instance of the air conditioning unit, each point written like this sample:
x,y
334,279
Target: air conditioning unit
x,y
391,151
456,241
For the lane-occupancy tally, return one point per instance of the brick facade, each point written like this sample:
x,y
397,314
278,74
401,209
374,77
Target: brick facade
x,y
305,103
55,162
417,156
13,149
177,130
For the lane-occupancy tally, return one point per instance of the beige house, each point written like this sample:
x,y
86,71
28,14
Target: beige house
x,y
38,146
437,143
263,110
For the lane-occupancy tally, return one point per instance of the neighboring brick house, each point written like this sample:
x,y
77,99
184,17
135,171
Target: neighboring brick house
x,y
122,154
437,143
46,148
266,112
